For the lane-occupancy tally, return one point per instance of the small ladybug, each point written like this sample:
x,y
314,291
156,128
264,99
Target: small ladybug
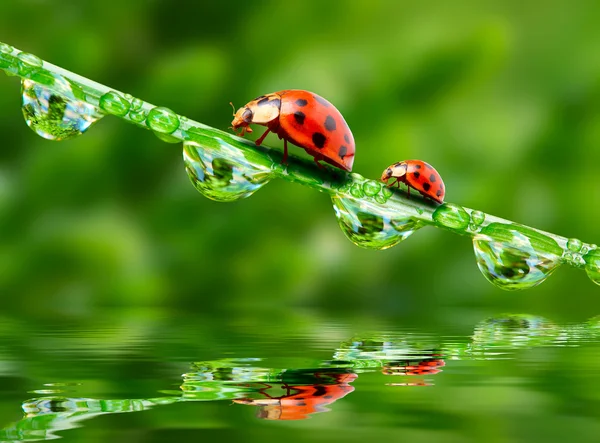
x,y
304,119
418,175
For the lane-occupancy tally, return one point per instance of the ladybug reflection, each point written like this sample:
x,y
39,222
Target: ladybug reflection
x,y
300,399
429,366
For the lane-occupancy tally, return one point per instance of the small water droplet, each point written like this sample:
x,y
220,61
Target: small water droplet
x,y
52,109
28,62
477,217
574,245
371,225
515,257
592,265
221,171
451,216
137,116
136,103
371,188
356,190
162,120
113,103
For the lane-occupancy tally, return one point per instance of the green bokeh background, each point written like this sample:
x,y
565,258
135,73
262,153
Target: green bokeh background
x,y
503,99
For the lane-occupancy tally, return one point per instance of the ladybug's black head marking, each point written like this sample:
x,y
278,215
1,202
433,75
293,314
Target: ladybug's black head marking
x,y
386,175
247,116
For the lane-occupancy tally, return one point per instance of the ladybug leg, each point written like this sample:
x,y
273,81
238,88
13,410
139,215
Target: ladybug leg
x,y
262,137
408,191
285,152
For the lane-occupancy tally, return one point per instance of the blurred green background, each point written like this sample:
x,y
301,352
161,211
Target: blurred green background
x,y
503,99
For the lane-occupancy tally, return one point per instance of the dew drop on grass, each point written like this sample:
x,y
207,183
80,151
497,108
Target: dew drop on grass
x,y
52,110
223,172
451,216
113,103
372,225
515,257
162,120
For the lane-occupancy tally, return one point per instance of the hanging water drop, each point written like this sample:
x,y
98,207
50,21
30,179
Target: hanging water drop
x,y
52,109
221,171
451,216
372,225
515,257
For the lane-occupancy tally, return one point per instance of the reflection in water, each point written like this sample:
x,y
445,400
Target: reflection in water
x,y
407,359
300,394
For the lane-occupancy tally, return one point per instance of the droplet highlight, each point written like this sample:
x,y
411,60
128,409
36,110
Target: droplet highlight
x,y
222,172
370,224
514,257
52,110
451,216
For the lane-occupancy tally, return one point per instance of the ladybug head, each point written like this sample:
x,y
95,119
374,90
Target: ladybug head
x,y
241,119
386,175
397,170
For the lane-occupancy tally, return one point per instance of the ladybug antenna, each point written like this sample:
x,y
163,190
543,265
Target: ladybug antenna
x,y
231,103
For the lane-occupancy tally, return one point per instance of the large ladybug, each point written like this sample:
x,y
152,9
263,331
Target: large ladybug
x,y
304,119
418,175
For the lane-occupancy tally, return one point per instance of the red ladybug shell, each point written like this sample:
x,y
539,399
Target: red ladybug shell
x,y
302,401
425,367
304,119
418,175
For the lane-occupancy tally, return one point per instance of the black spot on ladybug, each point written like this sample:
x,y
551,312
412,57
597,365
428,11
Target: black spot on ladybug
x,y
438,193
346,138
417,166
276,103
416,174
247,116
299,117
263,101
432,178
426,186
320,390
319,139
301,102
343,151
330,123
321,100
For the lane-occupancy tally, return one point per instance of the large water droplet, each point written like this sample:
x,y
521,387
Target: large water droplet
x,y
592,265
451,216
52,109
221,171
515,257
372,225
